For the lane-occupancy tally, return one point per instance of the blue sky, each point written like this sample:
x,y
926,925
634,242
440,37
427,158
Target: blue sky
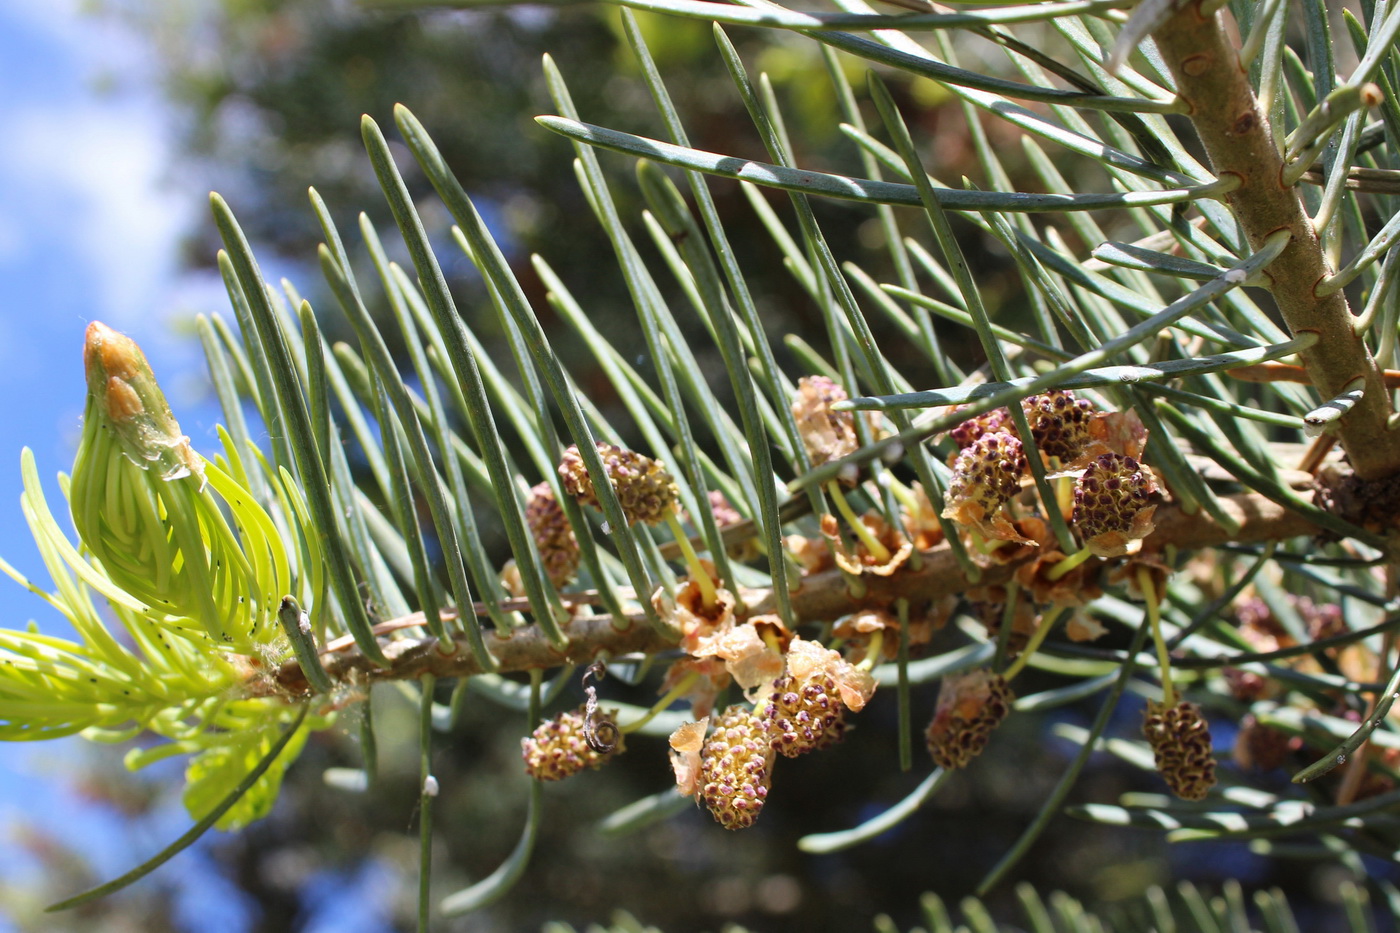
x,y
89,230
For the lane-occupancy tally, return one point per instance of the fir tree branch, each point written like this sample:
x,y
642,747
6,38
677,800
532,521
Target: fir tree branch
x,y
823,596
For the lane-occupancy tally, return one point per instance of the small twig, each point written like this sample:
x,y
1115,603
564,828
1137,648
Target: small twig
x,y
1287,372
1316,453
418,619
1360,178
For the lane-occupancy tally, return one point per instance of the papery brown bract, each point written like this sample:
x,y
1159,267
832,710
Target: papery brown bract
x,y
711,678
826,434
807,658
686,743
856,558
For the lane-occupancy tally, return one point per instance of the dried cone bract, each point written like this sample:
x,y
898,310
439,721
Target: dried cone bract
x,y
858,559
736,767
970,706
557,748
1180,740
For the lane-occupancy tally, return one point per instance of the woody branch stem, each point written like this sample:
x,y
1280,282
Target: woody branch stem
x,y
822,597
1236,135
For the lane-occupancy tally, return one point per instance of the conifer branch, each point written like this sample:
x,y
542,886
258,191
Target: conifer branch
x,y
823,597
191,555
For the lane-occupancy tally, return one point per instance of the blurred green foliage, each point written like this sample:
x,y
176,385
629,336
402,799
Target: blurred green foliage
x,y
268,95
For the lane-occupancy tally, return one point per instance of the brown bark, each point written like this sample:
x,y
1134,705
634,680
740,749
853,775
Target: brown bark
x,y
822,597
